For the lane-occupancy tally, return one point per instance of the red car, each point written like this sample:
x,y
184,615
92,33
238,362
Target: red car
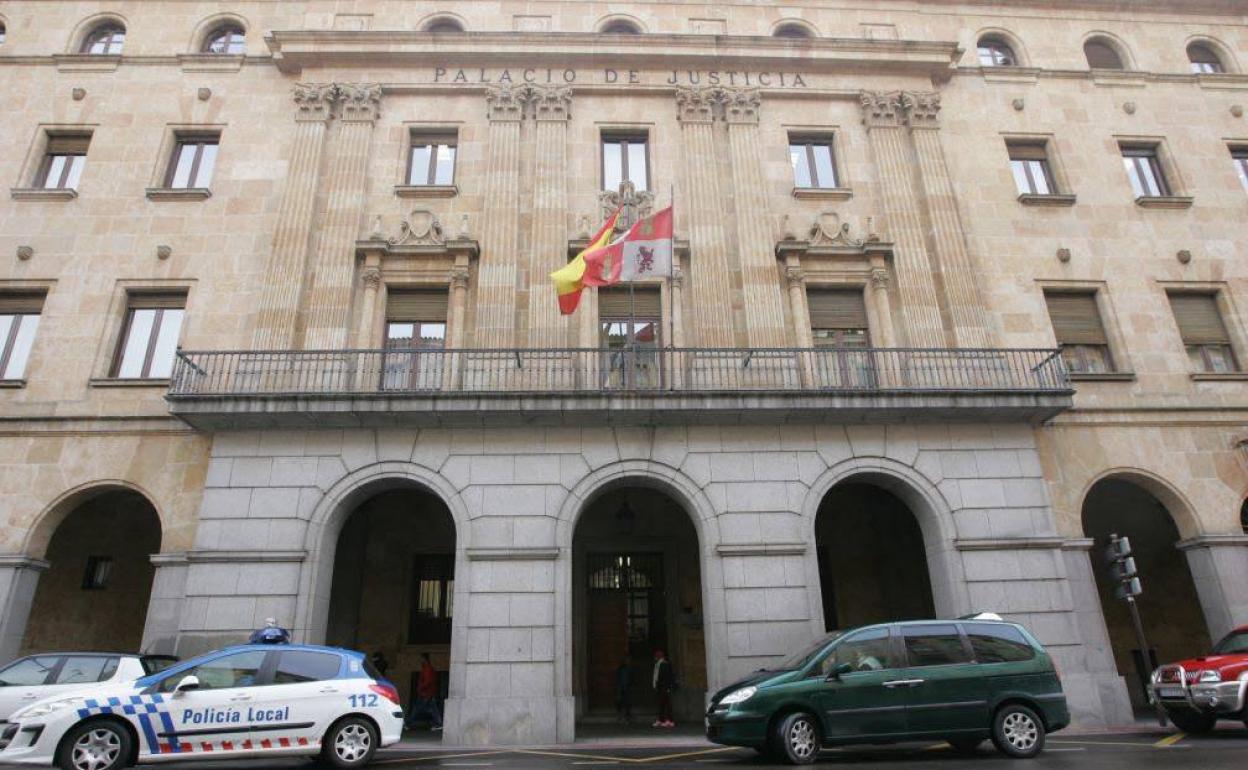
x,y
1196,693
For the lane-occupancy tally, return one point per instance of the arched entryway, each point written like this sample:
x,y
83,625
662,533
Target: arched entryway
x,y
1174,624
95,594
872,558
393,585
636,586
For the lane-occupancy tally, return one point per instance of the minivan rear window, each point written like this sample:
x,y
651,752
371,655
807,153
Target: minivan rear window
x,y
934,645
995,643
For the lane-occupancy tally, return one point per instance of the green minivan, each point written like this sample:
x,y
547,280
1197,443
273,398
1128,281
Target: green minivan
x,y
962,681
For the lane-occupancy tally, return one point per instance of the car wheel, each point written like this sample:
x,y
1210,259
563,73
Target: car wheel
x,y
1193,723
797,739
350,742
965,745
1017,731
100,745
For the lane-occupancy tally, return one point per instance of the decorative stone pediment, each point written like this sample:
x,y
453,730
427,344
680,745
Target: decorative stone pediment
x,y
420,234
828,235
635,205
421,228
829,230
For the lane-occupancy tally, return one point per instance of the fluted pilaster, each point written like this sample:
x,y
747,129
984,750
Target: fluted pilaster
x,y
496,276
330,290
882,114
551,109
760,280
962,297
711,288
284,271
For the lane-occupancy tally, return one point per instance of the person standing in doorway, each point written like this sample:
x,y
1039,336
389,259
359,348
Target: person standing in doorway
x,y
623,694
426,700
664,682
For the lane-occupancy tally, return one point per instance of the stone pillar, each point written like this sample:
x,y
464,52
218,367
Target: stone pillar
x,y
795,276
164,608
500,246
284,271
760,281
330,290
678,307
549,242
1219,565
1097,695
19,576
704,216
962,297
370,285
885,335
456,320
882,113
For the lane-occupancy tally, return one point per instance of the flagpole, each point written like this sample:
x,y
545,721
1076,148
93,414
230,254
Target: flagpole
x,y
671,272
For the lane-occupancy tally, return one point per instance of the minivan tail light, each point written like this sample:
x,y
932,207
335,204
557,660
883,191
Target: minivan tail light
x,y
386,691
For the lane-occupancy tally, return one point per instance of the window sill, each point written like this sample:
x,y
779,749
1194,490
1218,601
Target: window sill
x,y
1102,376
41,194
87,62
1036,199
1220,376
178,193
1164,201
120,382
12,384
823,193
426,190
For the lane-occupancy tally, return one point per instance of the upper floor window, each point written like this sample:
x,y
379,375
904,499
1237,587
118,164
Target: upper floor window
x,y
792,30
838,318
1080,334
1033,174
620,27
444,25
415,322
194,158
431,159
149,337
995,52
1143,165
625,157
1102,55
105,39
19,320
226,39
1240,157
63,161
1204,332
1204,59
814,163
3,31
630,323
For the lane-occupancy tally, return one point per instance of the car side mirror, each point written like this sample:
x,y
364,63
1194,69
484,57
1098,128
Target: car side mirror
x,y
839,670
187,684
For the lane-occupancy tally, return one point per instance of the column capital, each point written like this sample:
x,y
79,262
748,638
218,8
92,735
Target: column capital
x,y
505,103
881,109
696,104
796,276
880,279
741,105
921,108
550,102
313,101
358,102
678,277
459,277
370,277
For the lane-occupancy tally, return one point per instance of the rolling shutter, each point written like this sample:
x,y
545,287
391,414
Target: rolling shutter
x,y
836,309
1198,319
68,144
1076,319
153,301
616,303
1028,151
21,303
416,304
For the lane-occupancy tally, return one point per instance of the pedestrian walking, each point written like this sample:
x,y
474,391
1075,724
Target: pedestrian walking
x,y
426,700
664,681
623,694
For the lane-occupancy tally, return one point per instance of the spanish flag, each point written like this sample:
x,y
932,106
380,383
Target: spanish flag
x,y
568,284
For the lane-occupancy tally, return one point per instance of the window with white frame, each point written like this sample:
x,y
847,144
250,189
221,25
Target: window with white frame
x,y
431,159
63,161
1033,173
149,336
19,320
813,161
193,161
1144,169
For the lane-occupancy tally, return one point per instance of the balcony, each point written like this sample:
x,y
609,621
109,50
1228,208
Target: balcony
x,y
216,390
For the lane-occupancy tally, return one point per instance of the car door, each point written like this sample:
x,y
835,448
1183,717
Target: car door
x,y
303,698
945,691
215,716
860,696
23,681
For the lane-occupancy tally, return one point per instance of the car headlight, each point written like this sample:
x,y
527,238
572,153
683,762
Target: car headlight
x,y
43,709
1210,676
738,696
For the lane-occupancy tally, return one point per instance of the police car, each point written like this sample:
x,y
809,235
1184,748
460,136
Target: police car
x,y
253,700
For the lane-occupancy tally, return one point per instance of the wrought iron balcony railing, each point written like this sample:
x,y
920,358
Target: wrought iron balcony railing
x,y
632,371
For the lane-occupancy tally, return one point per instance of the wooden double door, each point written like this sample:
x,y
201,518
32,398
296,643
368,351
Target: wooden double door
x,y
627,618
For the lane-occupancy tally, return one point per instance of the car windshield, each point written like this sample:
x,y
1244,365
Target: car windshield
x,y
1232,643
806,654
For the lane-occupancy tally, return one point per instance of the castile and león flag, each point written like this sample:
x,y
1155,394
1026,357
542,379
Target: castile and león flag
x,y
643,251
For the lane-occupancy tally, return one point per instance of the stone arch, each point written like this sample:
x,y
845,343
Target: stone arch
x,y
442,21
1021,57
930,509
790,28
90,24
41,529
199,37
618,24
1114,42
1175,502
1224,52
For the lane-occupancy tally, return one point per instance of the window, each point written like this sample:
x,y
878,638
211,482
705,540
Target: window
x,y
993,643
838,327
19,319
63,160
106,39
239,669
3,32
814,165
1144,169
934,645
625,157
149,338
431,159
295,666
1079,331
226,39
620,27
869,650
1204,60
95,577
792,31
1203,332
444,25
415,337
994,52
630,333
1029,161
194,158
84,669
1239,155
29,672
1102,56
433,598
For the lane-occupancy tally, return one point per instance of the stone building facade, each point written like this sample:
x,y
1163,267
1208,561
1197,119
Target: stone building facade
x,y
846,404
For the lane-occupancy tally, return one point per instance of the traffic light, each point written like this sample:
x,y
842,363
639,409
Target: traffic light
x,y
1122,568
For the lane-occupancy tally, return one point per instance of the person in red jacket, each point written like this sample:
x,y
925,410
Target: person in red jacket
x,y
426,700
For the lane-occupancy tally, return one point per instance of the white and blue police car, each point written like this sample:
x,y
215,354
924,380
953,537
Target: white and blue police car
x,y
254,700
